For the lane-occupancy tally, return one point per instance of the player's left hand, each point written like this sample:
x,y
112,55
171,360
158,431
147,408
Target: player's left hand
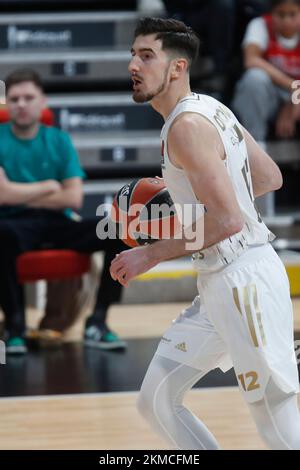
x,y
129,264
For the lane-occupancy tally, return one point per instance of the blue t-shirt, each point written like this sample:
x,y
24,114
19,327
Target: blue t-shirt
x,y
49,155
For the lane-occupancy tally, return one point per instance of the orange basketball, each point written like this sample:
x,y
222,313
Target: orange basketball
x,y
143,212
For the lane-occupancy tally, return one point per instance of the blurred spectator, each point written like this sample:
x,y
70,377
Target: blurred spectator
x,y
271,49
153,7
245,11
40,185
214,22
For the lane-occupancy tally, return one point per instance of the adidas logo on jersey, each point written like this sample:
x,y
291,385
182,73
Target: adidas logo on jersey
x,y
181,347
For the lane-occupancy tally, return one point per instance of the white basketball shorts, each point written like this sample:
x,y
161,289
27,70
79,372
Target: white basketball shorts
x,y
243,318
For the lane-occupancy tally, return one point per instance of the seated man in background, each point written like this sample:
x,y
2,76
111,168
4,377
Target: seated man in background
x,y
40,185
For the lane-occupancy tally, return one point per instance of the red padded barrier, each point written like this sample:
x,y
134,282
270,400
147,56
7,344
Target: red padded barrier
x,y
47,116
51,265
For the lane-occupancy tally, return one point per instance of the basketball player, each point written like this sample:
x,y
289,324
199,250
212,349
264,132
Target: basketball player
x,y
243,314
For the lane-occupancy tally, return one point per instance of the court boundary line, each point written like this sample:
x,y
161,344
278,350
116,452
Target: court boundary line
x,y
103,394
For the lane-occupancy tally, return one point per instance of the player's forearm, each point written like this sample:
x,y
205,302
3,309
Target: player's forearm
x,y
278,77
220,226
63,199
214,230
262,184
165,250
24,193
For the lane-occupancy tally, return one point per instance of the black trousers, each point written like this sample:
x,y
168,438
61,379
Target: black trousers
x,y
35,229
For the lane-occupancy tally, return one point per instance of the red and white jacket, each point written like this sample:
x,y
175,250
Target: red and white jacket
x,y
287,60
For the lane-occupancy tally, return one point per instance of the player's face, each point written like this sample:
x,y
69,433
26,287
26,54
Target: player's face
x,y
286,19
25,102
149,68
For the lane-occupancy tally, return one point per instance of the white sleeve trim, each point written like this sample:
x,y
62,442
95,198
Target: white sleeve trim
x,y
256,33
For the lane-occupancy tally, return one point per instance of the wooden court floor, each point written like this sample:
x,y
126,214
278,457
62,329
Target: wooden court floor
x,y
110,421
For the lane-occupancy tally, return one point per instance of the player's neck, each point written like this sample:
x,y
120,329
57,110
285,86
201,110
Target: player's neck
x,y
166,102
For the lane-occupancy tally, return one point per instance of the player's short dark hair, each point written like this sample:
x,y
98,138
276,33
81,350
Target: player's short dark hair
x,y
175,35
276,3
23,75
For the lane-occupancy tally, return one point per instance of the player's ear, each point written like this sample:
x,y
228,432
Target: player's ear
x,y
179,66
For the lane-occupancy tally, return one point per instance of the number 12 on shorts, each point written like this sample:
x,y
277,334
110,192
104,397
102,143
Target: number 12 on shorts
x,y
249,381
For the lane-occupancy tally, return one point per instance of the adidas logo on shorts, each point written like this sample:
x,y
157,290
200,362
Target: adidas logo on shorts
x,y
181,347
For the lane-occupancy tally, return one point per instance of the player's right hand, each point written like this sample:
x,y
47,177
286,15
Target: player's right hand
x,y
130,263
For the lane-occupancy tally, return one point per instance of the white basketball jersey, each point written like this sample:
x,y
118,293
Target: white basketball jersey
x,y
254,231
